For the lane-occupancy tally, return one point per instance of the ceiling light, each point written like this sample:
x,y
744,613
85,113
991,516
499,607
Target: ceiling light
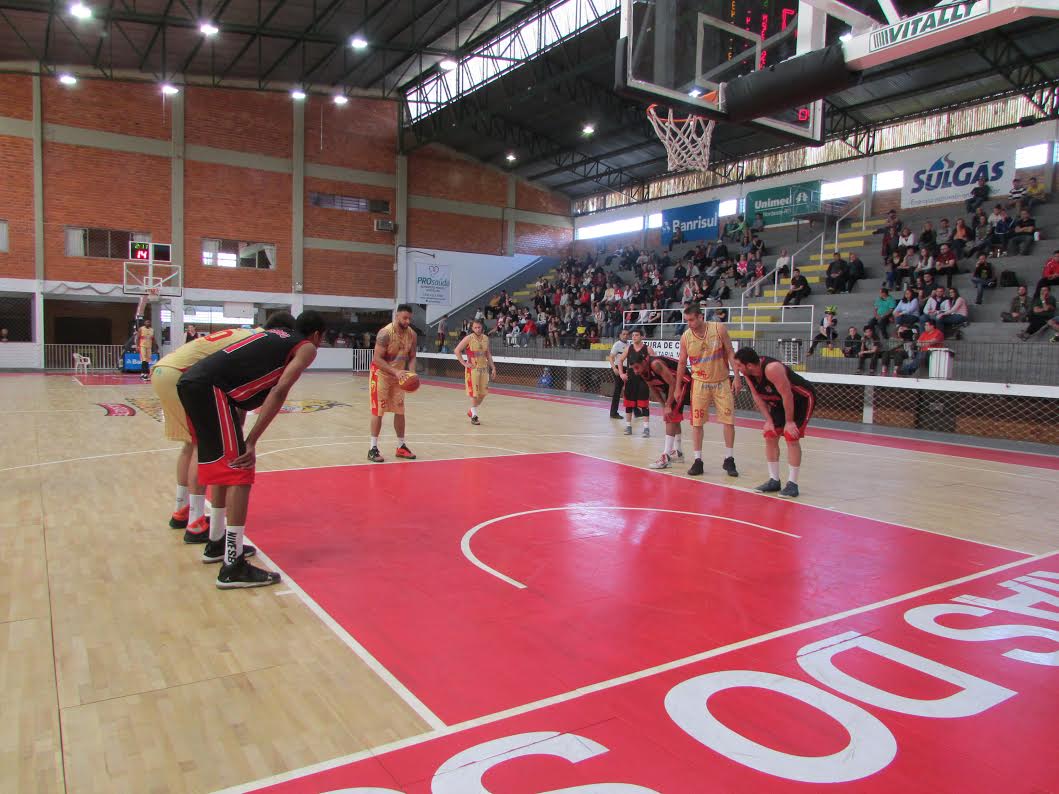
x,y
298,94
847,36
169,89
358,43
448,64
341,99
511,157
209,29
67,79
588,129
694,93
80,10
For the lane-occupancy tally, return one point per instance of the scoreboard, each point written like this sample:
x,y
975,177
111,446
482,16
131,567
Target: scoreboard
x,y
148,252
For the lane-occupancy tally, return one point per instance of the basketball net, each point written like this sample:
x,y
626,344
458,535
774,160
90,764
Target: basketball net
x,y
152,295
687,140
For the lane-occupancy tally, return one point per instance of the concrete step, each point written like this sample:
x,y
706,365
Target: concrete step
x,y
735,333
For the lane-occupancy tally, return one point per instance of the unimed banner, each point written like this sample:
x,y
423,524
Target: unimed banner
x,y
695,222
781,204
433,283
934,177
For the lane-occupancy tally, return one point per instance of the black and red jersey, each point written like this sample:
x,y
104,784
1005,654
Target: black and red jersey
x,y
800,387
246,370
658,382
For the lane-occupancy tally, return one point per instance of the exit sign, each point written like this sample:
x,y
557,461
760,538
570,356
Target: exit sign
x,y
146,252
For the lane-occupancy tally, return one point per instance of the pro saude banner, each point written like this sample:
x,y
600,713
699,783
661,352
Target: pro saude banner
x,y
781,204
934,179
433,283
695,222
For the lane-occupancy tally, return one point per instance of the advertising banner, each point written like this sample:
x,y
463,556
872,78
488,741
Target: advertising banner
x,y
694,222
941,179
433,283
780,204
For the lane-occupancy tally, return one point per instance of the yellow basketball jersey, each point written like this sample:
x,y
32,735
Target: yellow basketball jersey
x,y
477,348
706,355
399,350
144,342
193,352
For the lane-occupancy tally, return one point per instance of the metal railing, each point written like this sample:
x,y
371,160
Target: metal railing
x,y
862,205
107,357
774,274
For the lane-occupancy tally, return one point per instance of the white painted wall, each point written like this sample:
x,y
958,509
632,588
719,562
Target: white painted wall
x,y
21,355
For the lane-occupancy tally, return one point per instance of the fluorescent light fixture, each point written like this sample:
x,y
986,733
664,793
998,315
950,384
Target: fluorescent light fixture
x,y
847,36
67,79
168,89
358,43
588,129
80,10
209,29
1031,156
341,99
511,157
298,94
448,64
695,93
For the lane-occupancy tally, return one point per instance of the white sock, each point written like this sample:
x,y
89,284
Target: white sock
x,y
209,504
197,503
233,545
774,469
676,442
646,420
217,523
181,497
400,441
375,441
729,452
669,445
474,410
698,454
628,420
792,474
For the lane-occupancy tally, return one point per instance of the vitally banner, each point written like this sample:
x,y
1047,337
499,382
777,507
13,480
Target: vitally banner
x,y
934,179
694,222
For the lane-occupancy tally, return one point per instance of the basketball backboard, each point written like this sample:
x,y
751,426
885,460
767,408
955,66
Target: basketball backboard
x,y
685,51
140,278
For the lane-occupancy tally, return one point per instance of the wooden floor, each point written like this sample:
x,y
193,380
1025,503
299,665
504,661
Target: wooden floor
x,y
123,669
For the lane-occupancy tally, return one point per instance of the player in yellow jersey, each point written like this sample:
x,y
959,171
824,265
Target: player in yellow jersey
x,y
190,510
707,350
145,346
479,365
395,352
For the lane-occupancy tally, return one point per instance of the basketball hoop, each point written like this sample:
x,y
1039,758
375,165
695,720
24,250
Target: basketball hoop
x,y
152,295
687,140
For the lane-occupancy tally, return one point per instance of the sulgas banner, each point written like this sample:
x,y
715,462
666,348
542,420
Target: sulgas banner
x,y
694,222
433,283
781,204
933,179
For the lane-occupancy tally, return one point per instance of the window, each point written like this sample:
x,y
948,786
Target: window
x,y
623,226
1031,156
853,186
101,243
889,180
728,208
217,252
16,318
331,201
654,220
3,237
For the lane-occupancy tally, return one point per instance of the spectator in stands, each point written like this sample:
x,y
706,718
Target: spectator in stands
x,y
946,265
898,350
837,274
1050,274
924,266
783,263
1035,194
721,292
932,307
855,272
529,332
944,233
954,313
906,312
740,228
907,266
758,278
889,241
680,272
961,238
828,329
1019,311
983,236
1042,310
1021,238
905,240
928,239
983,277
759,223
929,338
884,313
1017,195
869,350
892,265
851,343
979,195
798,291
1002,230
1054,325
742,271
891,222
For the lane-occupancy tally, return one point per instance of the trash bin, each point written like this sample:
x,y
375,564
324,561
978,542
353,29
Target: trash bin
x,y
940,364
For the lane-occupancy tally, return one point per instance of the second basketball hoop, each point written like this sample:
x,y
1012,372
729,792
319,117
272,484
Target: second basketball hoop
x,y
687,139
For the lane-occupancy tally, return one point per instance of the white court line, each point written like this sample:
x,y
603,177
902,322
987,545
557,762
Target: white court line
x,y
465,541
804,504
89,457
614,682
399,689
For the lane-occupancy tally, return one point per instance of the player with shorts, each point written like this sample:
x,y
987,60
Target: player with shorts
x,y
145,346
189,513
706,349
478,364
395,353
255,372
637,396
786,400
664,379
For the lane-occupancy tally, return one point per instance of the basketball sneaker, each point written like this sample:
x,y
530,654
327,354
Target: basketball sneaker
x,y
678,454
646,432
771,486
242,574
696,468
375,456
473,418
661,463
198,531
729,467
179,519
404,452
213,551
790,490
628,430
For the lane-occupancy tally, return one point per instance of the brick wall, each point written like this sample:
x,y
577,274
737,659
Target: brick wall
x,y
451,232
16,205
348,273
16,96
95,188
342,225
361,134
126,108
245,121
239,204
434,171
528,197
531,238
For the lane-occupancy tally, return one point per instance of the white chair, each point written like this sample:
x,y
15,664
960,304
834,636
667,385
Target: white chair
x,y
81,363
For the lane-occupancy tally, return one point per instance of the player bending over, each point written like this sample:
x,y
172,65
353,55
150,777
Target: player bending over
x,y
661,376
395,354
255,372
478,364
786,400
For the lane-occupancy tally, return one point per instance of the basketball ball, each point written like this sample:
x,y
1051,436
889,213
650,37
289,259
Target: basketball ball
x,y
408,381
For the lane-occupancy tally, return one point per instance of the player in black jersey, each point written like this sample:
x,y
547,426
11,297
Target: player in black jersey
x,y
637,396
660,375
786,400
257,371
